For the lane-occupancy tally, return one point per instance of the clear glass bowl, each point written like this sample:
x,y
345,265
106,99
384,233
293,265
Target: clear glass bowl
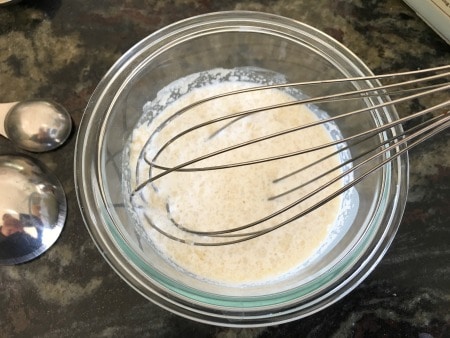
x,y
229,40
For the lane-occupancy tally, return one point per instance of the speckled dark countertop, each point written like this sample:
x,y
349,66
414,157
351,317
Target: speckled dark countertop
x,y
60,49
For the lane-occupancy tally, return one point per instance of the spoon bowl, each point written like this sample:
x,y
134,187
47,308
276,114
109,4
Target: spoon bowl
x,y
35,125
32,209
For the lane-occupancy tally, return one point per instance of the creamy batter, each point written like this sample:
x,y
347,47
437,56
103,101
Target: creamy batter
x,y
222,199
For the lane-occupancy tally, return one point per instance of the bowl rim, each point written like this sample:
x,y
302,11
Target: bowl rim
x,y
98,222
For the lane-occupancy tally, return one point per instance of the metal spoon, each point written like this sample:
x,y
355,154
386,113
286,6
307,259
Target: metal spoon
x,y
33,209
7,2
35,126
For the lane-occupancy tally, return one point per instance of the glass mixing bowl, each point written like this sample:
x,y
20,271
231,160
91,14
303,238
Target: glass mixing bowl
x,y
229,40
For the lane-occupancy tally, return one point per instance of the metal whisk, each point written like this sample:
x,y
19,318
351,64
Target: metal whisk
x,y
416,128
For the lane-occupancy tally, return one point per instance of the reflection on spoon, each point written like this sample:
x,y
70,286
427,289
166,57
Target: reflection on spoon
x,y
35,126
32,209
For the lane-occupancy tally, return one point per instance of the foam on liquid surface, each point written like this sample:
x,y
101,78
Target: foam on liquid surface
x,y
222,199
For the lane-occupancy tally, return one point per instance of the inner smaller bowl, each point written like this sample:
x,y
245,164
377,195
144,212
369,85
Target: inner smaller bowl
x,y
271,47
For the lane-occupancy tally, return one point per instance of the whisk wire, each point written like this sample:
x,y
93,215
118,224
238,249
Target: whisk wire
x,y
433,129
340,96
182,166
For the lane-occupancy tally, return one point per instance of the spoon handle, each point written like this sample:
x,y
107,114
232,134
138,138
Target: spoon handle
x,y
4,109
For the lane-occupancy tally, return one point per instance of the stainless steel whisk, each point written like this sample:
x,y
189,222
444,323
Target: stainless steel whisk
x,y
416,84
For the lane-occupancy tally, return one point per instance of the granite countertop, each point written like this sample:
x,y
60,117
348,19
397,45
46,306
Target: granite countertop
x,y
60,49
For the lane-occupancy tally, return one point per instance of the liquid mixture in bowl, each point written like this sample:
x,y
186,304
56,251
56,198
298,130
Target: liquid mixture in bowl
x,y
228,198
